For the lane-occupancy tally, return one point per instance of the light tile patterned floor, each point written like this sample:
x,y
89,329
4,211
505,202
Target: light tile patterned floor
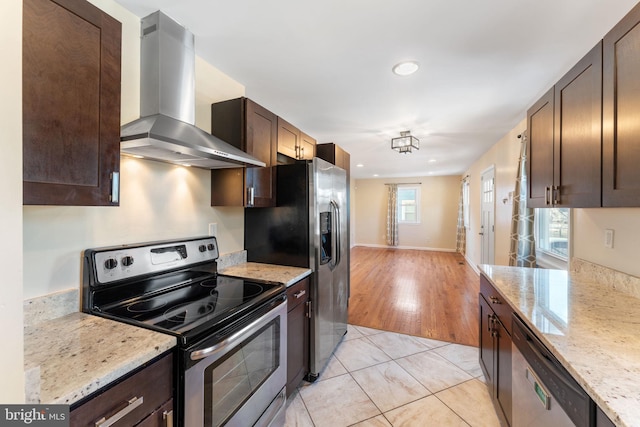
x,y
377,378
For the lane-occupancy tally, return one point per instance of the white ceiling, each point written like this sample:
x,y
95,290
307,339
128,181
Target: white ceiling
x,y
325,66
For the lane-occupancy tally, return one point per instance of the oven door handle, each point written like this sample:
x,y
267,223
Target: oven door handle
x,y
233,338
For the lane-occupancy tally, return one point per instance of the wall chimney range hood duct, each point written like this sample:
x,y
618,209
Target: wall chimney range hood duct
x,y
166,130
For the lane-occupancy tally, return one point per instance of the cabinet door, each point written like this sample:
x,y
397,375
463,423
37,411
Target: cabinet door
x,y
288,139
307,149
503,370
621,109
71,103
262,133
577,137
487,353
540,152
297,334
253,129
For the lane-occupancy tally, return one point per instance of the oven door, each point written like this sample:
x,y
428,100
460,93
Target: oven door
x,y
238,379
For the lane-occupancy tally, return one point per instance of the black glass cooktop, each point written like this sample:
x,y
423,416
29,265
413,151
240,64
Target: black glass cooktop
x,y
193,307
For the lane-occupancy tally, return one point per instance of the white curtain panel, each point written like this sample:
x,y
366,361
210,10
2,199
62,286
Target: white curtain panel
x,y
392,216
461,236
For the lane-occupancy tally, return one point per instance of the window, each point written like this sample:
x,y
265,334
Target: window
x,y
552,236
408,205
465,203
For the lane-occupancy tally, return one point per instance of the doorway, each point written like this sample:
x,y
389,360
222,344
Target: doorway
x,y
487,223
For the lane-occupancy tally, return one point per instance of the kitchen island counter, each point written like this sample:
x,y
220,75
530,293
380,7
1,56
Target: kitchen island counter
x,y
78,354
591,329
267,272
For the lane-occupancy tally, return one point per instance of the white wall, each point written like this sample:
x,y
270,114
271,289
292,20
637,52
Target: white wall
x,y
158,201
588,237
438,213
504,157
11,362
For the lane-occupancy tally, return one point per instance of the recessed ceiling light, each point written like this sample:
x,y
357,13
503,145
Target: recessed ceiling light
x,y
405,68
186,165
375,174
432,160
359,165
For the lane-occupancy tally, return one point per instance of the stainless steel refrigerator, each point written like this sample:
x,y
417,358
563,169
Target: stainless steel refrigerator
x,y
309,228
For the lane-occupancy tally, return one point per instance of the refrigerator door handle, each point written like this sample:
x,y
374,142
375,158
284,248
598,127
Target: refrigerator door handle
x,y
337,232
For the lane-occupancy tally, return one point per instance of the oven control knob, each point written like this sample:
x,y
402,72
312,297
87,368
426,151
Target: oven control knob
x,y
210,246
127,260
110,263
202,248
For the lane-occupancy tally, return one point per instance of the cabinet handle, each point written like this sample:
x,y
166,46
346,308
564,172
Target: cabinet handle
x,y
302,152
556,194
297,152
309,309
167,417
547,198
250,196
495,300
299,294
114,197
132,404
489,322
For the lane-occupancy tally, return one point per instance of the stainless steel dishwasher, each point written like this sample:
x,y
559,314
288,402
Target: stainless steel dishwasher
x,y
544,393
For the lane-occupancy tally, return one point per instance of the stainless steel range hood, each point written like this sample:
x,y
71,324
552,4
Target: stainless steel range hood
x,y
166,130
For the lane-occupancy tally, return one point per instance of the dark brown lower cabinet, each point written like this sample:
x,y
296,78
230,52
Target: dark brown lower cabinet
x,y
495,348
297,333
143,399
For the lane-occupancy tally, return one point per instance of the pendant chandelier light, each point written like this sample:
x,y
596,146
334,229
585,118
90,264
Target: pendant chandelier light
x,y
405,142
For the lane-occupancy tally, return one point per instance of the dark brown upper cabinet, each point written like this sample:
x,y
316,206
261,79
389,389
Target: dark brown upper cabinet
x,y
294,143
307,150
565,143
540,151
71,104
621,110
288,139
253,129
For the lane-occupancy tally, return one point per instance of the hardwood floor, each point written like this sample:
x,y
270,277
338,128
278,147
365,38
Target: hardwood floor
x,y
423,293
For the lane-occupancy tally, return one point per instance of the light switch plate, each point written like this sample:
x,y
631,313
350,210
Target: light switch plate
x,y
608,238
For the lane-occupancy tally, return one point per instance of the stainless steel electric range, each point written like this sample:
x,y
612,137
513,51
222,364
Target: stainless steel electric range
x,y
231,333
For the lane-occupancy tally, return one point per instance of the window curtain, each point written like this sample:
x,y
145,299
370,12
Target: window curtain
x,y
392,215
522,252
461,237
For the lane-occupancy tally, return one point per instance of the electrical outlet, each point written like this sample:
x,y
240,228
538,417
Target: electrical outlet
x,y
213,229
608,238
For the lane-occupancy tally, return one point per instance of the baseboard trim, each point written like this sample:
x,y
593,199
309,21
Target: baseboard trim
x,y
473,266
419,248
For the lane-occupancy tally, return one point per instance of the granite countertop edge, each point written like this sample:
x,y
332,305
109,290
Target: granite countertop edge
x,y
78,354
621,404
267,272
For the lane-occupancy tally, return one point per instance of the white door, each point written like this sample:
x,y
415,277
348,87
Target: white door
x,y
487,229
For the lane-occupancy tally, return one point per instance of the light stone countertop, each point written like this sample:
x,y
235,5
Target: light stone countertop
x,y
592,329
78,354
267,272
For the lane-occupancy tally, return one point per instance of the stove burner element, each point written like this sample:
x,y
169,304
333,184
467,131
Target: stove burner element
x,y
211,283
250,290
186,313
146,305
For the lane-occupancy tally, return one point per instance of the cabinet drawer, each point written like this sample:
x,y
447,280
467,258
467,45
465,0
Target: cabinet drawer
x,y
496,302
297,293
152,386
